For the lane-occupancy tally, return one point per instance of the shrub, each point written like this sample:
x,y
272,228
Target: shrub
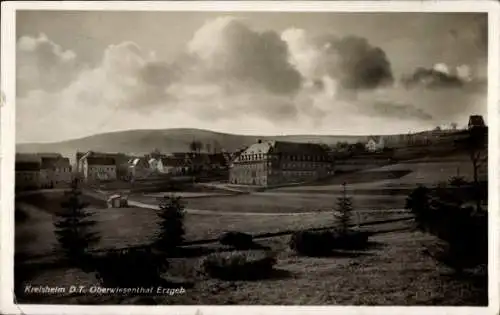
x,y
457,181
318,243
418,201
249,265
238,240
129,268
171,223
450,216
311,243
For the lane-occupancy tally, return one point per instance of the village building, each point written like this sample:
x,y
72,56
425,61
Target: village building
x,y
138,168
27,175
117,201
476,121
97,168
55,172
269,163
219,161
375,144
174,165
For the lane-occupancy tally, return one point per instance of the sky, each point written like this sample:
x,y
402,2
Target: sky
x,y
80,73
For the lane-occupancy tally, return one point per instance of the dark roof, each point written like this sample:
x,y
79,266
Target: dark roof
x,y
98,160
285,147
476,120
173,161
27,166
27,157
218,159
50,162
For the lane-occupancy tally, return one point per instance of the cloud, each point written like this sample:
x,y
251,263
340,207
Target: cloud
x,y
230,76
42,64
399,111
229,51
442,76
351,61
434,78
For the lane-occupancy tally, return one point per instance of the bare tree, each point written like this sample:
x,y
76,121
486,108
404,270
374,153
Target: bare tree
x,y
475,142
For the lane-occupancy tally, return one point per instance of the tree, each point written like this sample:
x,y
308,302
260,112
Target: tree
x,y
73,226
344,206
475,143
454,126
195,146
171,223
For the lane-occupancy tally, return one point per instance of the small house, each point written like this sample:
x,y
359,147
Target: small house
x,y
55,172
117,201
476,121
375,144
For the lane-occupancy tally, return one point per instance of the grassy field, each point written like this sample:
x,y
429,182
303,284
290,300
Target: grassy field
x,y
296,202
393,271
121,227
399,177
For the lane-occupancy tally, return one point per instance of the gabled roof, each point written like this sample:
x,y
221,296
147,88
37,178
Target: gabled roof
x,y
28,157
92,160
27,166
476,120
51,163
285,147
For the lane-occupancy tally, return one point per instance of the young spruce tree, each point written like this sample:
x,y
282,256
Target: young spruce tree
x,y
73,226
171,223
344,206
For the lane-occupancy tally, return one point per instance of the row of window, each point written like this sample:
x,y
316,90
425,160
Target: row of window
x,y
311,158
101,169
302,165
298,174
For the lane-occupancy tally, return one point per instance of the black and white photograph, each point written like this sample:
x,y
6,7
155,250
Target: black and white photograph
x,y
243,157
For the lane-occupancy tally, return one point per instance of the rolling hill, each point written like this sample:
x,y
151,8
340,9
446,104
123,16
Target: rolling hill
x,y
167,141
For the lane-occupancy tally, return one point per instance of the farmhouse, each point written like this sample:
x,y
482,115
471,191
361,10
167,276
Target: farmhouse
x,y
476,121
174,165
27,174
99,168
55,172
138,168
375,144
276,162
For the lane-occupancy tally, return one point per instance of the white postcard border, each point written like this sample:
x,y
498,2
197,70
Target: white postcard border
x,y
7,146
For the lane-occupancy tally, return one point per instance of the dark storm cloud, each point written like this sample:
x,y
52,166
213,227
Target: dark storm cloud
x,y
432,79
230,50
357,64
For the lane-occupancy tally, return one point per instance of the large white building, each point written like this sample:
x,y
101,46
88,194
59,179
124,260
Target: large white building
x,y
269,163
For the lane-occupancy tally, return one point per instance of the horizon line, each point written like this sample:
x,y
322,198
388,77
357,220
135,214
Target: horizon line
x,y
226,133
